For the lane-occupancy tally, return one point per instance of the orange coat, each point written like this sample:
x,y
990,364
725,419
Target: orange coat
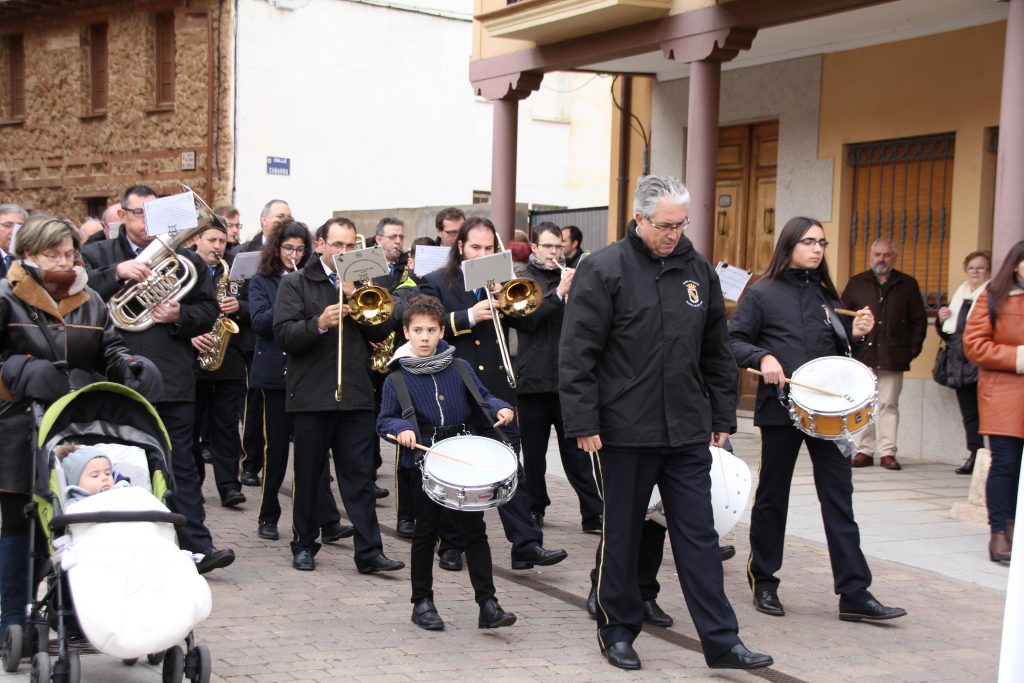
x,y
999,355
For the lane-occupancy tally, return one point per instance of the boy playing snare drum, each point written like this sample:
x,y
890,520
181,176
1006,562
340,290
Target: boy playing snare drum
x,y
427,387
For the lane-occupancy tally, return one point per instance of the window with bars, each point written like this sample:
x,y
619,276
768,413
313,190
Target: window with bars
x,y
98,78
165,54
16,76
902,190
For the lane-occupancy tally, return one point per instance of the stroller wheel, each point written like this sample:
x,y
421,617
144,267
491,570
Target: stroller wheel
x,y
13,638
199,665
40,668
42,643
155,658
130,662
174,665
72,667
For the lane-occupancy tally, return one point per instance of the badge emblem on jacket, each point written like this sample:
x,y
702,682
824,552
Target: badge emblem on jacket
x,y
692,293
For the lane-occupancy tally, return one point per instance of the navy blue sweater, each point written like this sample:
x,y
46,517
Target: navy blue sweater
x,y
440,399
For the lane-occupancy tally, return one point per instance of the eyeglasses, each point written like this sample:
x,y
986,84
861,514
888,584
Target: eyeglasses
x,y
342,246
810,242
140,212
54,257
666,227
977,269
10,226
557,247
235,225
289,249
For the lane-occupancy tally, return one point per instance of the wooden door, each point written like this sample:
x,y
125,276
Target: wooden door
x,y
745,208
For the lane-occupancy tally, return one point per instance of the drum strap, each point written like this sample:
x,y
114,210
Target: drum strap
x,y
404,399
471,385
837,326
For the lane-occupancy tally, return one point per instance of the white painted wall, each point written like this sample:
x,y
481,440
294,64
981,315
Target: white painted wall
x,y
374,108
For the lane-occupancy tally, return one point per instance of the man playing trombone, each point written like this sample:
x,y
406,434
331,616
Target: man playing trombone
x,y
332,411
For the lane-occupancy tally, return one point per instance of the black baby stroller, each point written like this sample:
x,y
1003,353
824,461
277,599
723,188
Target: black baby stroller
x,y
123,424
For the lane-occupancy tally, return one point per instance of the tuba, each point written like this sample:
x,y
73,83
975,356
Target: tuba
x,y
222,330
170,277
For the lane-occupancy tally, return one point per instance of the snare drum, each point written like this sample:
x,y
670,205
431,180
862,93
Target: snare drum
x,y
833,417
489,482
730,492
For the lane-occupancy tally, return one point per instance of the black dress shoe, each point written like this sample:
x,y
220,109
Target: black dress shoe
x,y
406,528
268,530
622,655
232,497
767,602
425,615
654,615
538,519
249,478
380,492
592,526
869,609
492,616
727,552
215,559
739,657
968,466
592,602
538,555
380,564
450,560
303,561
329,533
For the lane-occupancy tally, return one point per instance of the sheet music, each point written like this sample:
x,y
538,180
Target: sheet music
x,y
494,268
244,266
360,264
170,214
428,259
734,280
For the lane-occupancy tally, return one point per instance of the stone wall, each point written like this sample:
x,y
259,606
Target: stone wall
x,y
61,154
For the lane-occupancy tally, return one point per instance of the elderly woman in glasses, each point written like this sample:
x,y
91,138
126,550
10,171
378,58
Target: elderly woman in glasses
x,y
54,333
950,323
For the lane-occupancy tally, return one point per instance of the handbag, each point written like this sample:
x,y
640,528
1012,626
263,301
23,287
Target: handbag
x,y
940,373
952,368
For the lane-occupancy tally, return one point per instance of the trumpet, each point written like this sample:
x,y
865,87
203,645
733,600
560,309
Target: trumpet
x,y
170,277
519,297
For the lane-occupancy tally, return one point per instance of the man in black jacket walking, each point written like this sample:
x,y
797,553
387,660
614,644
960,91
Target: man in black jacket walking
x,y
646,380
111,265
307,319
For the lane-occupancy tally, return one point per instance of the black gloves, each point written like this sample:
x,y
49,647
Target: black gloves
x,y
143,376
28,377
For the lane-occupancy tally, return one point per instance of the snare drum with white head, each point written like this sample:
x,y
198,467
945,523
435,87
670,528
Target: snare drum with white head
x,y
730,492
833,417
489,480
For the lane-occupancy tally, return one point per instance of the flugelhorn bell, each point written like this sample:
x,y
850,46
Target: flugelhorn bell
x,y
519,297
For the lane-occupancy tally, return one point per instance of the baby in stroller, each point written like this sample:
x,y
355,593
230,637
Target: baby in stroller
x,y
87,470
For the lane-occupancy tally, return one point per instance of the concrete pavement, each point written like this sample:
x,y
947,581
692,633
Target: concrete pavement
x,y
272,623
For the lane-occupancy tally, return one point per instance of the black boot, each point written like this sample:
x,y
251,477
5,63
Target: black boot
x,y
13,581
968,466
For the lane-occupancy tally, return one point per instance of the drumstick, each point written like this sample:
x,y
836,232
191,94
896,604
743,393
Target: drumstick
x,y
805,385
846,311
431,450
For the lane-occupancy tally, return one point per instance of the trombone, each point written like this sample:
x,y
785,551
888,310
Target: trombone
x,y
369,304
519,297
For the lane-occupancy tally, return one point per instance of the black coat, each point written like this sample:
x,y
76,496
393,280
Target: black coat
x,y
268,361
536,362
477,345
167,345
311,377
84,337
783,317
900,319
644,358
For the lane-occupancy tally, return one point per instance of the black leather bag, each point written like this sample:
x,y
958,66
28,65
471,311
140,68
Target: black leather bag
x,y
952,369
939,371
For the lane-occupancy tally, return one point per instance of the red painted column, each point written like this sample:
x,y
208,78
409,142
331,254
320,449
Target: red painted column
x,y
1008,228
503,167
702,152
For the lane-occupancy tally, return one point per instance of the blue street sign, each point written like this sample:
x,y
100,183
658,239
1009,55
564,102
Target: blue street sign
x,y
279,166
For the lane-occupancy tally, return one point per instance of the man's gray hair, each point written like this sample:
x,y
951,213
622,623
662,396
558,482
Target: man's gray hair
x,y
892,244
650,189
269,205
383,222
14,208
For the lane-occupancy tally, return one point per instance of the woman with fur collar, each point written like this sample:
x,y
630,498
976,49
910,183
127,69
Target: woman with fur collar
x,y
55,333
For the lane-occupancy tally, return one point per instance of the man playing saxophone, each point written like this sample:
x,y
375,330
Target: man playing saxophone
x,y
220,387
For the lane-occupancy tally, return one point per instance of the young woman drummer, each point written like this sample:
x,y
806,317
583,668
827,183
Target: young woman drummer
x,y
783,321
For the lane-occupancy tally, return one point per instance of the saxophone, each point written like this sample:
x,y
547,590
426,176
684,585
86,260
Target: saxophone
x,y
222,330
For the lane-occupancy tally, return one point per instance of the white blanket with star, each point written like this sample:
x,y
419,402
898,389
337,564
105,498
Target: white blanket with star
x,y
135,592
